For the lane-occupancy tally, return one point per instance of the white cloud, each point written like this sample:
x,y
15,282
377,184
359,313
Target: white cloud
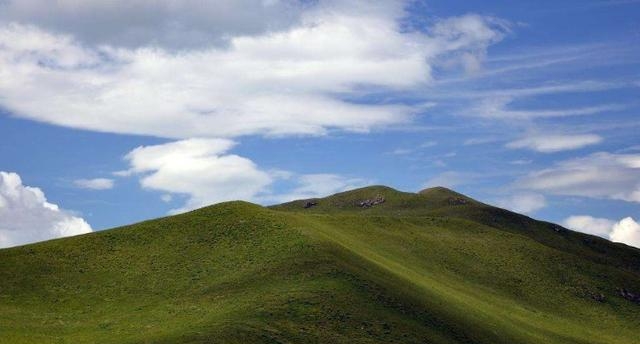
x,y
292,81
631,149
94,184
626,231
199,168
555,143
26,216
413,149
599,175
499,108
319,185
524,203
402,151
468,37
481,141
506,103
590,225
428,144
169,23
544,89
205,171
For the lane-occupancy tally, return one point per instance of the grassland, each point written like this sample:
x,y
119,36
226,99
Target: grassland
x,y
432,267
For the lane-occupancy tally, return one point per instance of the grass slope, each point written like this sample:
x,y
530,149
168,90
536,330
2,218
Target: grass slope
x,y
432,267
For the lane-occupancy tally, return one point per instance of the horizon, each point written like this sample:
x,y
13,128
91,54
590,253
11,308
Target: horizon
x,y
112,113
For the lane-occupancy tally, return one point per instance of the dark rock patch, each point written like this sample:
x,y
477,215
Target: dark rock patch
x,y
629,295
309,204
368,203
597,297
458,201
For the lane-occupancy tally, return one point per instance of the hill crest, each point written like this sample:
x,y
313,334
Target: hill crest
x,y
380,197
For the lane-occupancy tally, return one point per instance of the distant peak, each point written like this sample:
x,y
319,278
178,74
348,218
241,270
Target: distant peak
x,y
436,189
374,188
447,195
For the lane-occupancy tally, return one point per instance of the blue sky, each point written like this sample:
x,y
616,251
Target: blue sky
x,y
152,109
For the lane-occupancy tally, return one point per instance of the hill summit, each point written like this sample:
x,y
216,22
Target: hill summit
x,y
371,265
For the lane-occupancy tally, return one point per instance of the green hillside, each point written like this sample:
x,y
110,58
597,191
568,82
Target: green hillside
x,y
373,265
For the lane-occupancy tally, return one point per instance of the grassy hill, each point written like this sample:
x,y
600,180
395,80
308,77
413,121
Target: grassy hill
x,y
372,265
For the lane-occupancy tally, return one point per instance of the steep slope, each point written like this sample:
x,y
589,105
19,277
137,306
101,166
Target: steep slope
x,y
372,265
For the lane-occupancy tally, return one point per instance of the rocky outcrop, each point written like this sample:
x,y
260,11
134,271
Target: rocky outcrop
x,y
629,295
368,203
458,201
309,204
597,297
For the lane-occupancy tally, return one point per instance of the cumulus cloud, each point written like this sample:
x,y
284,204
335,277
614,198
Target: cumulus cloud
x,y
94,184
554,143
626,231
168,23
599,175
525,203
26,216
206,172
590,225
202,169
291,81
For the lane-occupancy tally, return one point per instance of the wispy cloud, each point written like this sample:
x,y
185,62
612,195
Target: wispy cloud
x,y
315,186
525,203
95,184
542,59
599,175
554,143
581,86
499,108
607,3
414,149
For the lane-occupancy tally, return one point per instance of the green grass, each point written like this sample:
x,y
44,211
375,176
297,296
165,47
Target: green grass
x,y
433,267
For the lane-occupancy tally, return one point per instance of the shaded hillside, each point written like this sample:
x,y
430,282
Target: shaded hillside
x,y
372,265
444,203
